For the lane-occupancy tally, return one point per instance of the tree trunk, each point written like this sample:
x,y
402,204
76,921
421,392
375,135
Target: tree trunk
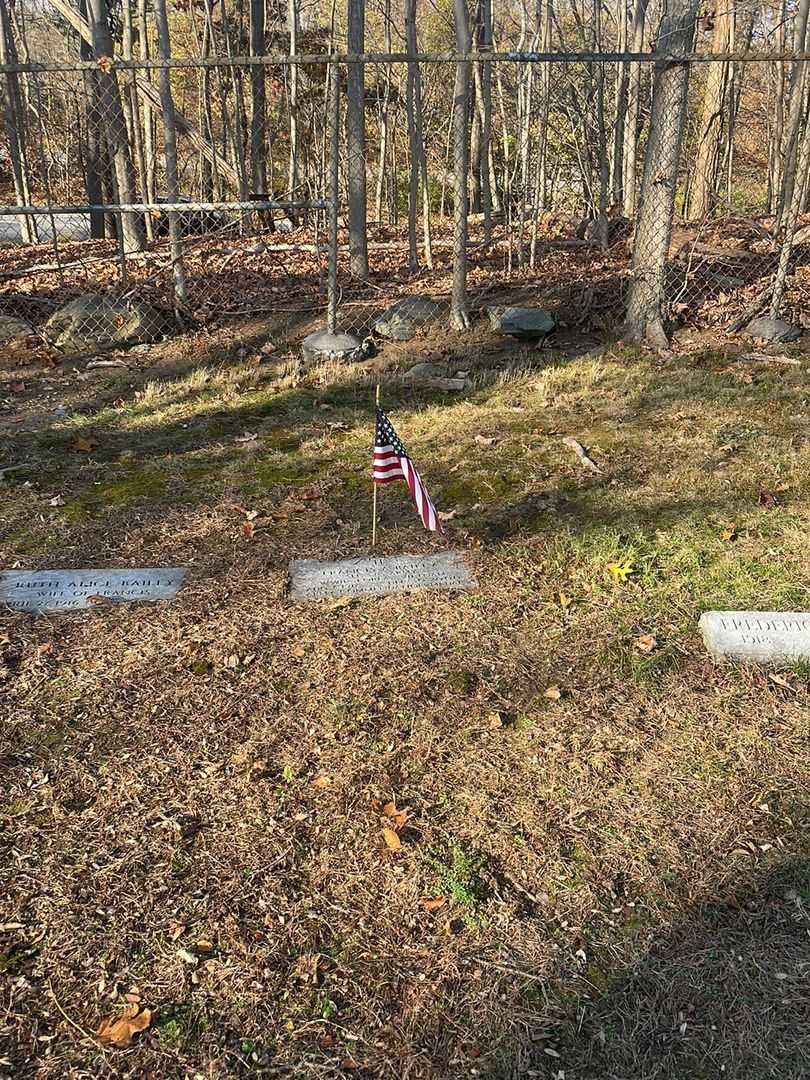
x,y
292,27
384,109
776,127
356,141
258,105
459,309
170,151
418,164
791,215
645,311
796,94
633,101
115,128
620,119
705,175
14,119
133,112
150,161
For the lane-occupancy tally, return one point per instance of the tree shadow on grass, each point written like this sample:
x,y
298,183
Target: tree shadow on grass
x,y
722,994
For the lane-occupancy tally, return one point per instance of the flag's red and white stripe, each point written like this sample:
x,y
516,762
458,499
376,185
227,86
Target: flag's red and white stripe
x,y
388,466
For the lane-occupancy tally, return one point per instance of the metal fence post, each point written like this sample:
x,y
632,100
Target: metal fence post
x,y
334,194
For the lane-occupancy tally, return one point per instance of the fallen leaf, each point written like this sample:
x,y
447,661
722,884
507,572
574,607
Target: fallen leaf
x,y
781,680
729,533
447,515
57,500
565,601
484,440
267,348
432,903
83,444
204,946
646,643
348,1064
391,839
98,599
782,486
341,602
299,650
399,817
188,957
767,499
553,692
321,782
177,932
105,64
620,571
494,721
246,436
248,529
306,968
118,1031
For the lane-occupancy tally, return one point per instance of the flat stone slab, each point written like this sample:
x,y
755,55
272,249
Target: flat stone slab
x,y
75,590
761,636
311,579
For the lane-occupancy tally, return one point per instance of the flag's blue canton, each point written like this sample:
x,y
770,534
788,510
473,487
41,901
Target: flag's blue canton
x,y
386,436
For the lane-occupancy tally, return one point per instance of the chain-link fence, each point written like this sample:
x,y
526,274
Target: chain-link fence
x,y
659,190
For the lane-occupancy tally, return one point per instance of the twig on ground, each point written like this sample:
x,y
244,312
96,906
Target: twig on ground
x,y
579,450
12,468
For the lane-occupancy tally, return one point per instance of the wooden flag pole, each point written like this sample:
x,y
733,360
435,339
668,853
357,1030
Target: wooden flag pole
x,y
373,484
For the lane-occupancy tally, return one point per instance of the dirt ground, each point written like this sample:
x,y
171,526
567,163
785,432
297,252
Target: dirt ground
x,y
527,832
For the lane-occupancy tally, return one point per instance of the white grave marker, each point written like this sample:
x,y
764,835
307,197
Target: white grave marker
x,y
75,590
757,635
311,579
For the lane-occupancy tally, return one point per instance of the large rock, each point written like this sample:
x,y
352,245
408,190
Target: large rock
x,y
325,345
97,321
767,329
13,329
521,322
402,320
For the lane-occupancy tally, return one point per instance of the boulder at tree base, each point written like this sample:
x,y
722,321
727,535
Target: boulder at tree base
x,y
404,318
97,321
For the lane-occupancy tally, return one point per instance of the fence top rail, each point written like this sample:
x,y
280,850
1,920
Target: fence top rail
x,y
107,64
167,207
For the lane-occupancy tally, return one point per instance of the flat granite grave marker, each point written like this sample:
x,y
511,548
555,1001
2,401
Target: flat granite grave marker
x,y
762,636
311,579
75,590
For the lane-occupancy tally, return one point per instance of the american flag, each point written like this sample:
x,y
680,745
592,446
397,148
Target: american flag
x,y
391,462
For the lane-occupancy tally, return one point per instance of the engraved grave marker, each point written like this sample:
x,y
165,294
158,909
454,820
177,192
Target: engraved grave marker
x,y
75,590
757,635
311,579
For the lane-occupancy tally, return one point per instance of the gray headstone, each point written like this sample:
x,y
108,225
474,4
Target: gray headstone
x,y
75,590
761,636
314,580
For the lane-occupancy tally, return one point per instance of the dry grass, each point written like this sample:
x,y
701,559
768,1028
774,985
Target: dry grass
x,y
625,865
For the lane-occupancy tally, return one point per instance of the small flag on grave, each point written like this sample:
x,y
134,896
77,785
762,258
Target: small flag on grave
x,y
391,462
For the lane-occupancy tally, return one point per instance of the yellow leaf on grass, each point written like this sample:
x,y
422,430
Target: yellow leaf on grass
x,y
432,903
83,444
565,601
620,571
729,533
646,643
119,1030
392,840
321,782
553,692
299,650
399,817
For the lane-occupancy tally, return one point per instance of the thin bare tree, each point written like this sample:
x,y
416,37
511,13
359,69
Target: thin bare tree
x,y
14,119
258,101
459,306
704,177
115,128
170,153
356,140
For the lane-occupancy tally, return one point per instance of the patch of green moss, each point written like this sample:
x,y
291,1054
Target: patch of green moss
x,y
131,484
